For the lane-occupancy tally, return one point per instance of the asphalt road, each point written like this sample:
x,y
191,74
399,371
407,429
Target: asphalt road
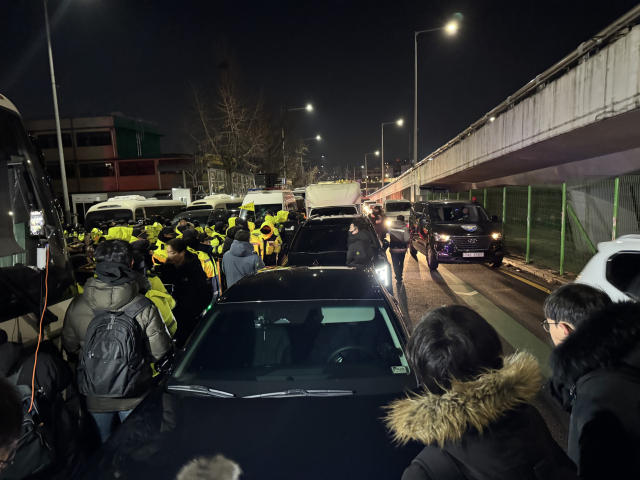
x,y
509,302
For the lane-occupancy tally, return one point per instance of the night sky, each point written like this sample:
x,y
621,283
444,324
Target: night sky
x,y
353,60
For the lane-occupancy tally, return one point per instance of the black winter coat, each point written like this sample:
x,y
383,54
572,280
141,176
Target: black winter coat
x,y
228,241
495,435
360,250
596,377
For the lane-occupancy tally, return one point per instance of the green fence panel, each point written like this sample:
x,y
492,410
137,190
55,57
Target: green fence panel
x,y
515,225
546,222
629,205
493,201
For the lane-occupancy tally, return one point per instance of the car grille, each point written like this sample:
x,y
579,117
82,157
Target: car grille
x,y
471,243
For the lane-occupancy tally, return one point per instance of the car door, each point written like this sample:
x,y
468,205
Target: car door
x,y
420,235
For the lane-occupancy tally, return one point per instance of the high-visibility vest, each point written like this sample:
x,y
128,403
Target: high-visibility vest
x,y
165,304
120,233
217,243
208,265
160,253
199,229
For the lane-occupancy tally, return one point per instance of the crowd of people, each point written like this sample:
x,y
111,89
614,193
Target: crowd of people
x,y
474,413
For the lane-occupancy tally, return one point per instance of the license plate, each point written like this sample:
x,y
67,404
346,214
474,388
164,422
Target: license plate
x,y
473,254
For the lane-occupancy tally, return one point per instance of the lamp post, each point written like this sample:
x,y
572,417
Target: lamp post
x,y
63,172
308,108
366,172
397,122
451,28
317,137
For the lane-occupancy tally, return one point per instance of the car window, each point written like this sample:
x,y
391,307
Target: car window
x,y
455,213
201,216
328,211
100,216
623,271
296,341
397,207
261,211
323,237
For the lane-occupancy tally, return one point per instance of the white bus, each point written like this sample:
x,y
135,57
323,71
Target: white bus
x,y
131,207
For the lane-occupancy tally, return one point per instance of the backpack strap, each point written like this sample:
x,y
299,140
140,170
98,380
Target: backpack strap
x,y
134,308
438,464
13,378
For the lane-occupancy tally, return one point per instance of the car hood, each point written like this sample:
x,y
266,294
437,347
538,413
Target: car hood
x,y
286,438
458,230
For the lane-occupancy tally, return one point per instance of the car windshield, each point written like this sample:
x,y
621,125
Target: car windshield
x,y
328,211
398,207
101,216
298,343
455,213
201,216
261,211
324,237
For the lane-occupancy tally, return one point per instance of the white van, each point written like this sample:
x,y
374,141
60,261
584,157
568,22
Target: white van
x,y
393,208
333,199
223,201
131,207
266,200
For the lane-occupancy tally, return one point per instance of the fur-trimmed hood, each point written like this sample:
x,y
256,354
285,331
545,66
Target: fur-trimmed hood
x,y
607,338
437,419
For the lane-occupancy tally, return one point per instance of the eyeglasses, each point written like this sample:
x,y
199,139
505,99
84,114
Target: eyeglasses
x,y
546,324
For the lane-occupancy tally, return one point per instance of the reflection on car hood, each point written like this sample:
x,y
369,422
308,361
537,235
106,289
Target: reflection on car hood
x,y
320,259
458,229
301,437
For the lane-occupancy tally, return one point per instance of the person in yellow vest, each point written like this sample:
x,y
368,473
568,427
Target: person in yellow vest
x,y
197,227
203,252
217,239
183,226
160,252
271,244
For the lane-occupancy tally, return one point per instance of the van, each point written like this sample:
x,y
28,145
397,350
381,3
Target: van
x,y
393,208
224,201
131,207
266,200
333,199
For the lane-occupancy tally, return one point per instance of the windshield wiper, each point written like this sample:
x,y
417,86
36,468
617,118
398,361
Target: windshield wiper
x,y
303,393
200,389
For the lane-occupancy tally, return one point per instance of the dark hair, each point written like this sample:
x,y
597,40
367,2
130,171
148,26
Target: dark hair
x,y
114,251
243,236
574,302
241,222
178,244
10,414
360,223
452,343
400,218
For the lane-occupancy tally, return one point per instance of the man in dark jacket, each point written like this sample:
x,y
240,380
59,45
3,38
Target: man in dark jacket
x,y
596,376
400,238
238,224
192,289
241,260
360,250
493,434
289,228
114,289
378,220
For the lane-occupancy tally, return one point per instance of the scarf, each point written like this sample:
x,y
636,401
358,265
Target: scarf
x,y
114,273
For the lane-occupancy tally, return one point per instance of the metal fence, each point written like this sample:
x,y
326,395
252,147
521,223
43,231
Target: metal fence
x,y
560,226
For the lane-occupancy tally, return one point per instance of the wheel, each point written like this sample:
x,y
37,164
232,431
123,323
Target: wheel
x,y
432,259
497,264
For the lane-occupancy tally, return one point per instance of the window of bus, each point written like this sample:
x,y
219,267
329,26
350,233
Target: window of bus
x,y
101,216
165,211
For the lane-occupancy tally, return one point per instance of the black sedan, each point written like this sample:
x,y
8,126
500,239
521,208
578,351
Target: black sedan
x,y
448,231
287,376
322,241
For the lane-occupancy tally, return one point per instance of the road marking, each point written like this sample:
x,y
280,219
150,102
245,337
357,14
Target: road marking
x,y
518,336
528,282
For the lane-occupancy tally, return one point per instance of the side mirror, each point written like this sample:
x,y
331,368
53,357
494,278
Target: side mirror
x,y
165,364
385,244
495,218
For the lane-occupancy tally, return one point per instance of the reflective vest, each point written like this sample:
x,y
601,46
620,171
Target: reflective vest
x,y
199,229
208,265
217,242
165,303
120,233
160,253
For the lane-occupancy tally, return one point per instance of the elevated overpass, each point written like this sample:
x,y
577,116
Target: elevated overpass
x,y
580,119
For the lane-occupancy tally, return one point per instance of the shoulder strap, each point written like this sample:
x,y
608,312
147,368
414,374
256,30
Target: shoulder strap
x,y
438,464
14,377
134,308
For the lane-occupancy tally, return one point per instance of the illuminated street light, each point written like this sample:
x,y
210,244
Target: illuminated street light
x,y
366,172
309,107
492,119
452,28
400,122
397,122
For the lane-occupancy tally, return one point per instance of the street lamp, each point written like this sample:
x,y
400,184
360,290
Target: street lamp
x,y
397,122
451,28
63,172
308,108
317,137
366,172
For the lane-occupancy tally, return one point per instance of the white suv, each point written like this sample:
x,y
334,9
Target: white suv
x,y
615,268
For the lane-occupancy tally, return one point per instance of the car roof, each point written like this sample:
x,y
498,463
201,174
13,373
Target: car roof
x,y
333,219
305,283
458,202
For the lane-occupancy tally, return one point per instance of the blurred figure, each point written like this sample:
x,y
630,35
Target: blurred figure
x,y
208,468
400,238
241,259
289,228
235,225
473,415
360,250
10,423
378,219
596,376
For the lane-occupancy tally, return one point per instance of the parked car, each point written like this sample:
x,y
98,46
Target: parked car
x,y
615,268
287,375
454,231
322,241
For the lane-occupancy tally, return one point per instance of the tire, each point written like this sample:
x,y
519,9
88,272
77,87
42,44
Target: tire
x,y
497,264
432,259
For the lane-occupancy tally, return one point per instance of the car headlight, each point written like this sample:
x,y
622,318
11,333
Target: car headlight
x,y
496,236
389,222
383,274
441,238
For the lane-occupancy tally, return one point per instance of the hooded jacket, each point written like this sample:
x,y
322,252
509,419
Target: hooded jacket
x,y
360,250
596,376
399,236
239,261
485,425
97,297
271,244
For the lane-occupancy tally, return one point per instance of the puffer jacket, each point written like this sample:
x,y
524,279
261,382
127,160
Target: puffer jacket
x,y
98,296
485,426
596,377
399,236
360,249
240,261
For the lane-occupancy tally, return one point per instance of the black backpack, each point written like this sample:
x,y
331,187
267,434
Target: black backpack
x,y
34,451
113,354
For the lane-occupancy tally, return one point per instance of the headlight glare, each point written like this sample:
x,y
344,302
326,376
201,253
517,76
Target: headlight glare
x,y
441,238
496,236
382,274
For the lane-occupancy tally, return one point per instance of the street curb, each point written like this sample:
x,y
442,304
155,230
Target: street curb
x,y
547,275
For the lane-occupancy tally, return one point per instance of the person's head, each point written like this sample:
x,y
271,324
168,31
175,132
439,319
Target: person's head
x,y
241,222
357,225
243,236
568,306
183,222
10,422
452,343
207,468
196,223
220,227
400,218
176,251
117,251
